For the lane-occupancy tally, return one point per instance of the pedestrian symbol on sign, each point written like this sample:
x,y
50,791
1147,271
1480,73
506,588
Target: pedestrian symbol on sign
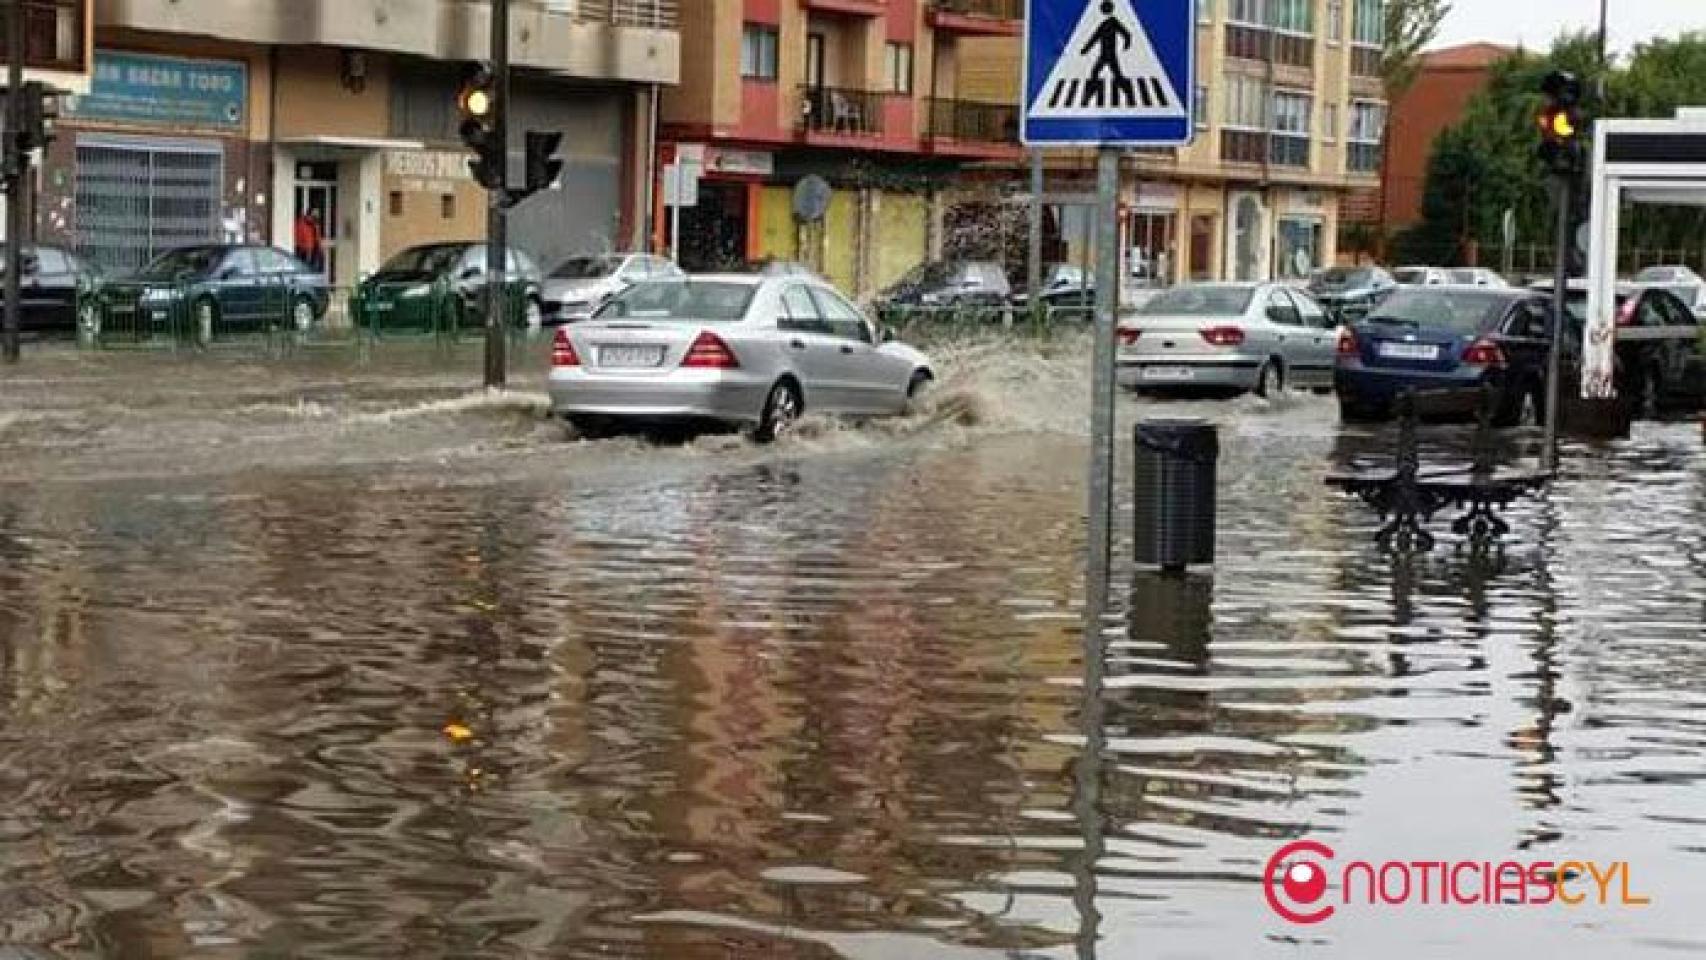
x,y
1109,69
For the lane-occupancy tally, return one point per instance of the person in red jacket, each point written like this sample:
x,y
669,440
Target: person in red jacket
x,y
308,239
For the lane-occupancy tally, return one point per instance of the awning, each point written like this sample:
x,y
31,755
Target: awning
x,y
352,143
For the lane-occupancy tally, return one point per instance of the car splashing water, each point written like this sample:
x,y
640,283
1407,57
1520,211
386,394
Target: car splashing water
x,y
315,659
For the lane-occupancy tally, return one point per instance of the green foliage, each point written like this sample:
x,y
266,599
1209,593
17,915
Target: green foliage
x,y
1487,163
1410,26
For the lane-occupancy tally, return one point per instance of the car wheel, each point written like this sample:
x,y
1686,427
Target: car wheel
x,y
915,390
782,409
302,314
1270,379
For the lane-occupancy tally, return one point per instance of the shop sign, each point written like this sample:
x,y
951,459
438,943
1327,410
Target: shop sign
x,y
1157,196
164,91
426,171
750,163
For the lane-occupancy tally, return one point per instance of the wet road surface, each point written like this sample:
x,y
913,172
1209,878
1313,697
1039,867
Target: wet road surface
x,y
316,660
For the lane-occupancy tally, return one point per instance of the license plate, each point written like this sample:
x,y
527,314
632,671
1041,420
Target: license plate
x,y
381,307
630,356
1409,351
1168,373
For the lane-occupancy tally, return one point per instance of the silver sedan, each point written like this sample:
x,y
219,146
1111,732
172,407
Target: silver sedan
x,y
1247,337
752,351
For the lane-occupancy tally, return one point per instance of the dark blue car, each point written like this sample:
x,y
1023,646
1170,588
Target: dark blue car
x,y
1449,342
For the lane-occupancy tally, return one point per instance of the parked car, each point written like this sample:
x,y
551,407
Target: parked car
x,y
1687,285
1351,292
1421,277
941,284
1065,285
773,267
1477,277
56,289
578,286
1247,337
734,348
1450,343
1659,361
220,285
442,286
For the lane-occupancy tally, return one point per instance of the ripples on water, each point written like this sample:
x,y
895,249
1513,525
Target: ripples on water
x,y
816,701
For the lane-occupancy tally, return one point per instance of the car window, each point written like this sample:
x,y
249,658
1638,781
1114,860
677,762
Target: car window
x,y
693,301
1312,313
1527,320
1459,311
240,263
800,311
275,261
663,268
637,268
1647,313
844,319
1281,309
1672,311
50,261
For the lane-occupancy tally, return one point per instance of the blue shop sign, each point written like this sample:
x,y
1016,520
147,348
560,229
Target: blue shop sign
x,y
165,91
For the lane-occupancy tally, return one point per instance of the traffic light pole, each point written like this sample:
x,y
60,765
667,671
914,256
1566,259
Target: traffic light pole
x,y
497,203
14,167
1560,291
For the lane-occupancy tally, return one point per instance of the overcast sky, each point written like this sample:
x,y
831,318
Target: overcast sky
x,y
1534,23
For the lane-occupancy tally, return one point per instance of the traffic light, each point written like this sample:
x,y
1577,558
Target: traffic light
x,y
543,164
41,112
477,102
1562,150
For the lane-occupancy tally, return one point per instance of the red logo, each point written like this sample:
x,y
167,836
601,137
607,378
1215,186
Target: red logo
x,y
1302,882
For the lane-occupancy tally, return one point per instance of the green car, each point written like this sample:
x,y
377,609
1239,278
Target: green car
x,y
441,287
220,287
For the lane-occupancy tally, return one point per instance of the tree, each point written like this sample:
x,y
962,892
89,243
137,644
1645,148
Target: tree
x,y
1410,26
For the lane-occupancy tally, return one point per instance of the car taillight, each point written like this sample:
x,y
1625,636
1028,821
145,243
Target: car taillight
x,y
1484,353
1348,346
1128,335
563,350
711,352
1626,314
1224,336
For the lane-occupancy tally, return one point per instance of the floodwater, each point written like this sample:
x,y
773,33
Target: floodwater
x,y
318,659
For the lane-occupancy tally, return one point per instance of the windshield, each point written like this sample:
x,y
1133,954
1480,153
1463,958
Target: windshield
x,y
696,300
1657,275
1341,277
423,261
1462,312
586,268
183,262
1411,275
929,275
1200,302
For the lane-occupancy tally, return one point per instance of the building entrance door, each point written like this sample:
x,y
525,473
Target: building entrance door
x,y
317,192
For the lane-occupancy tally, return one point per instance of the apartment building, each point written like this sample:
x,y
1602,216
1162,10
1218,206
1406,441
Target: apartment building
x,y
866,95
212,120
1290,116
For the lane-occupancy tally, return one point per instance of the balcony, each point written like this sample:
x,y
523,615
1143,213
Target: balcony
x,y
54,34
973,129
623,40
839,115
857,8
1247,42
989,18
1365,61
1362,157
1243,146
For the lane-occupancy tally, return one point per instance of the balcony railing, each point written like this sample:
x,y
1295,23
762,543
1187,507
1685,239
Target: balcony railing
x,y
992,9
1256,43
53,34
647,14
1365,61
973,121
841,111
1243,146
1362,157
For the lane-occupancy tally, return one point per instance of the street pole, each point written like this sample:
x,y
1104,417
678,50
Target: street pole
x,y
1034,259
1560,282
13,167
1102,400
1604,52
497,204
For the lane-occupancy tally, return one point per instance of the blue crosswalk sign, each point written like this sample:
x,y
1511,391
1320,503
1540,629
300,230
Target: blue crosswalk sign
x,y
1109,72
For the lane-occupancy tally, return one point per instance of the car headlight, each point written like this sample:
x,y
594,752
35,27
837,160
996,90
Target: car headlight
x,y
418,290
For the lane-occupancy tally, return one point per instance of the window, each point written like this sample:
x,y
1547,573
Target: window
x,y
1246,103
1300,242
1248,12
49,261
898,69
1330,122
1281,309
274,261
1291,113
1335,20
241,263
800,312
447,206
1370,26
1292,16
758,52
845,320
1201,107
396,203
1367,126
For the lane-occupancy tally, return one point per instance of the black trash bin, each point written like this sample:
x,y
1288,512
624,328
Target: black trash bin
x,y
1174,492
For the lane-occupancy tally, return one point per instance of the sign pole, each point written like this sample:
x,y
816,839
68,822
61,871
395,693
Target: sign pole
x,y
1102,399
1560,290
675,174
1034,259
15,167
497,205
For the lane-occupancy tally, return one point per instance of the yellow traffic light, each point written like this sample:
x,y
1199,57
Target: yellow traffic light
x,y
476,102
1562,126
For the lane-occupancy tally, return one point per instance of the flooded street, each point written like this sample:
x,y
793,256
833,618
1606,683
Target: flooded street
x,y
317,659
